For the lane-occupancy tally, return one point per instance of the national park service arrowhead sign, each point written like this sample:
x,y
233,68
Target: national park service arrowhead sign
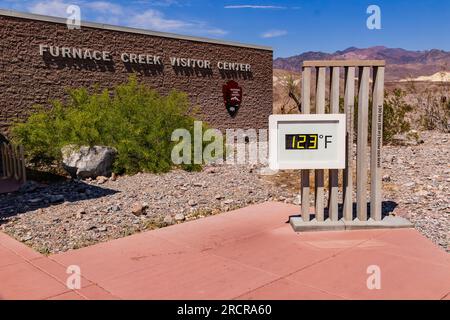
x,y
232,97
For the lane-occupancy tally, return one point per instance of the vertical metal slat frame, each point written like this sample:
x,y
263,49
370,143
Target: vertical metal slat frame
x,y
18,173
18,161
376,144
319,176
333,206
22,159
306,106
9,166
361,160
13,162
3,159
349,106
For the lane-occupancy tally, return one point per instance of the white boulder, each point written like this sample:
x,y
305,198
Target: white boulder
x,y
88,162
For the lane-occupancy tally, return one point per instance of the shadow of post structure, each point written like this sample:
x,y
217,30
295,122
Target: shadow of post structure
x,y
12,167
343,216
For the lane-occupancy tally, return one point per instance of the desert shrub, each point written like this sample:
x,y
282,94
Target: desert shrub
x,y
133,118
436,113
395,109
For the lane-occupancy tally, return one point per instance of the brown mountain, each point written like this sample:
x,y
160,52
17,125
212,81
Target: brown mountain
x,y
400,63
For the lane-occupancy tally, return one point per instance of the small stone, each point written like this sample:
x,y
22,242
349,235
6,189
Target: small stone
x,y
386,178
28,237
210,170
179,217
35,200
80,213
113,176
56,198
192,203
168,220
297,200
138,209
102,229
229,201
114,208
218,196
101,179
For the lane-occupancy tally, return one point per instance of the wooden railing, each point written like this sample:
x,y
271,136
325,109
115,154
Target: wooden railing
x,y
365,69
12,163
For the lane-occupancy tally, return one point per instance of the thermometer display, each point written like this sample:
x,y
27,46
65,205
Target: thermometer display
x,y
301,141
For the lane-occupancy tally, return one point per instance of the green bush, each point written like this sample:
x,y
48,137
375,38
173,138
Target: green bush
x,y
134,119
395,110
436,113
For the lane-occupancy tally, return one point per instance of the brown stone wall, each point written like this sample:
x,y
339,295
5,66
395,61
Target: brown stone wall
x,y
27,78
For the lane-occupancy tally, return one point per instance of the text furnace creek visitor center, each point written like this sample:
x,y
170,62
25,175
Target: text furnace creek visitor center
x,y
41,58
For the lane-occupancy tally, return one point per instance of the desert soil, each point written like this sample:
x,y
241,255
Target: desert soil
x,y
64,216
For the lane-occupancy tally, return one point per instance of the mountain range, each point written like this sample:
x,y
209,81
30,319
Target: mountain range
x,y
400,63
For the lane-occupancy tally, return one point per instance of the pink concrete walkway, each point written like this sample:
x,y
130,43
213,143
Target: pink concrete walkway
x,y
249,253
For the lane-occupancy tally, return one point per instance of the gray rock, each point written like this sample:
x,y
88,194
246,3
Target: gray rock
x,y
168,220
114,208
88,162
56,198
35,200
179,217
26,238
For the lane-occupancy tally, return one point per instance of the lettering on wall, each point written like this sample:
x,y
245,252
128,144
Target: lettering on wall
x,y
140,59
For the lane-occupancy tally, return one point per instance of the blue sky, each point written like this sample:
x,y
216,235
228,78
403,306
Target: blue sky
x,y
290,27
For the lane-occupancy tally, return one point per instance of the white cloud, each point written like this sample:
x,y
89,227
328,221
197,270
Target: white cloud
x,y
153,19
251,6
216,31
104,7
274,33
104,11
158,3
50,8
156,20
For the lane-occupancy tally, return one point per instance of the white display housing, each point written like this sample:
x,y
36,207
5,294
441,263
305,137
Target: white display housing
x,y
307,141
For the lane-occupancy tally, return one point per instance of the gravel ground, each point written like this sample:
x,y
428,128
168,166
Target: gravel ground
x,y
75,214
59,217
418,179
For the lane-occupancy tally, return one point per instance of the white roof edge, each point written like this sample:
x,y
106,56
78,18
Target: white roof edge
x,y
38,17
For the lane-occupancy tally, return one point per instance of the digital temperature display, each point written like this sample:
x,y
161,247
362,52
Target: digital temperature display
x,y
301,141
307,141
